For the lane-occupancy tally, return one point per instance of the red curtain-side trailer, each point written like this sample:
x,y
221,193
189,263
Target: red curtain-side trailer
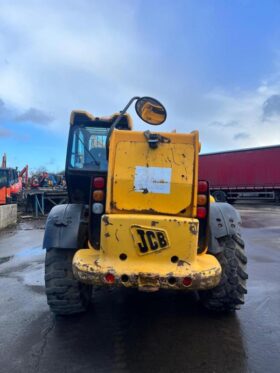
x,y
243,174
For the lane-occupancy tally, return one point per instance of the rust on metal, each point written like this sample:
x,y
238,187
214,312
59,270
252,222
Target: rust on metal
x,y
116,235
193,228
180,263
97,264
154,223
106,221
150,281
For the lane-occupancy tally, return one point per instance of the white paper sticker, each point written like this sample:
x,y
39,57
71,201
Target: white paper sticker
x,y
152,179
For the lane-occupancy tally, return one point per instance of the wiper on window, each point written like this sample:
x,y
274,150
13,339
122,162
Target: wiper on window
x,y
88,151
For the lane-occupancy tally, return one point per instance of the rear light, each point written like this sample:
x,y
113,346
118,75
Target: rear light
x,y
97,208
201,212
98,195
201,199
187,281
98,182
109,278
202,186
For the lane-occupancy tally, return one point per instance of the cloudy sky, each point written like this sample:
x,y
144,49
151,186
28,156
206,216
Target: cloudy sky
x,y
215,64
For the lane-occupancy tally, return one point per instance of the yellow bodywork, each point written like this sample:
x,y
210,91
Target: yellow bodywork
x,y
149,233
174,166
212,199
119,254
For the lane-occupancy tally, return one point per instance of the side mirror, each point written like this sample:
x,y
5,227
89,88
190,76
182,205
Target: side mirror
x,y
150,110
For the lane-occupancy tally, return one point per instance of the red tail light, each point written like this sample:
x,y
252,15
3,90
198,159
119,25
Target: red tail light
x,y
187,281
202,186
99,182
109,278
201,212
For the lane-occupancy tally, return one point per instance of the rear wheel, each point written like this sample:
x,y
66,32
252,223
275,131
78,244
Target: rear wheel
x,y
229,294
65,295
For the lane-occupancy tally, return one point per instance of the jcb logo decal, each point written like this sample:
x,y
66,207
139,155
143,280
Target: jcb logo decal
x,y
149,240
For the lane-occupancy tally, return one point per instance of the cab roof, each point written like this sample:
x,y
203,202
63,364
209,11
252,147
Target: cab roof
x,y
83,118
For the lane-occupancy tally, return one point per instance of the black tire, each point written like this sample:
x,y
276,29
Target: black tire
x,y
65,295
229,294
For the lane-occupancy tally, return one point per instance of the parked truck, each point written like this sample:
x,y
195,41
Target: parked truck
x,y
243,174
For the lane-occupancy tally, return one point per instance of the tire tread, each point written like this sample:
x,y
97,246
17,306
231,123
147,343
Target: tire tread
x,y
65,295
229,294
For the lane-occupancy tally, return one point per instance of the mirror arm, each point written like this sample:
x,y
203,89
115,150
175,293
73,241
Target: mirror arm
x,y
116,121
122,112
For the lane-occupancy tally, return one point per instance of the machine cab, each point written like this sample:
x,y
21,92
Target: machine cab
x,y
86,153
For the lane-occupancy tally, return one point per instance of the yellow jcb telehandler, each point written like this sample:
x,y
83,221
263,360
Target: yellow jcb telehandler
x,y
139,217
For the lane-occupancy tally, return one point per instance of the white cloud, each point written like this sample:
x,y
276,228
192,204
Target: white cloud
x,y
73,55
58,56
230,120
246,109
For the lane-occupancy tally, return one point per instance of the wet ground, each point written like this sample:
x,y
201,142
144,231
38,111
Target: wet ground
x,y
128,331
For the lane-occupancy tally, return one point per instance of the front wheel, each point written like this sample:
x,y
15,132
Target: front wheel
x,y
65,295
229,294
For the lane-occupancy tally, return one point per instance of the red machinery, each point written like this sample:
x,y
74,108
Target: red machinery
x,y
3,188
11,181
24,176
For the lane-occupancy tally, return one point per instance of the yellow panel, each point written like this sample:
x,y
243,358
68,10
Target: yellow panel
x,y
119,253
118,237
162,180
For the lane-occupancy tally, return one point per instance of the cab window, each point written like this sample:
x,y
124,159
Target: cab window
x,y
89,149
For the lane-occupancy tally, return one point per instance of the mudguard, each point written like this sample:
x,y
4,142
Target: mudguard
x,y
63,227
224,220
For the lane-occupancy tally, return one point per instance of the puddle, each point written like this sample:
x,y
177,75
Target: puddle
x,y
33,251
30,251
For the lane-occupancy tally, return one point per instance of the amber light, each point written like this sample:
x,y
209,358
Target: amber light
x,y
201,199
98,195
109,278
201,212
202,186
98,182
